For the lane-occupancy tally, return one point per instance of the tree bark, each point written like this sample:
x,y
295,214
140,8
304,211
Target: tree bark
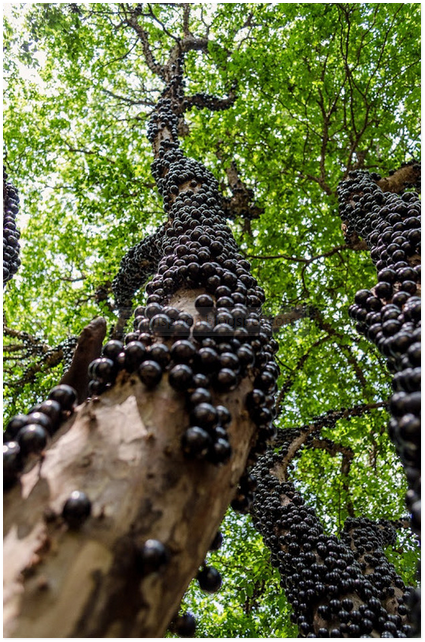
x,y
323,577
88,348
123,449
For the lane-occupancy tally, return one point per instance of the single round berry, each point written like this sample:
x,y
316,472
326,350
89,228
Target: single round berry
x,y
150,373
135,353
180,377
160,353
220,451
64,395
225,380
185,625
41,419
152,557
204,304
209,579
104,370
161,324
196,442
32,438
224,416
112,349
14,425
200,395
183,351
12,462
76,509
204,415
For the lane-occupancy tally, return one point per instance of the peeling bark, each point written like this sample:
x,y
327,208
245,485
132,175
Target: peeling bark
x,y
124,450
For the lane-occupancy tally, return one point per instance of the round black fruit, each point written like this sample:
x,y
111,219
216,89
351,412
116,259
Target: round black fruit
x,y
209,579
77,509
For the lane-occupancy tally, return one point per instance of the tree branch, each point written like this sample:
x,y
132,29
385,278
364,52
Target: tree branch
x,y
153,65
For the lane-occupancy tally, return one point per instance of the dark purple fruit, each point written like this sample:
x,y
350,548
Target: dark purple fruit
x,y
41,419
200,380
224,416
200,395
64,395
225,380
265,381
204,304
135,353
161,324
185,625
105,370
220,451
209,579
52,409
12,462
207,360
180,377
153,556
14,425
32,438
112,349
160,353
196,442
180,329
76,509
150,373
183,351
204,415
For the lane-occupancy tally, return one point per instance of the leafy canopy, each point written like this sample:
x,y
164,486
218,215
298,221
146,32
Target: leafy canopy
x,y
322,88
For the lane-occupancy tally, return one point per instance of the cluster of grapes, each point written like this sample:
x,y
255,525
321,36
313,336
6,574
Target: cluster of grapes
x,y
11,260
389,314
329,591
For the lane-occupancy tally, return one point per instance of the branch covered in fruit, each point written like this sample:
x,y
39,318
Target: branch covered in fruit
x,y
325,580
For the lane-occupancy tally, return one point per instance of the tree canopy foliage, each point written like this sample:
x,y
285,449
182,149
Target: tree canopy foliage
x,y
320,89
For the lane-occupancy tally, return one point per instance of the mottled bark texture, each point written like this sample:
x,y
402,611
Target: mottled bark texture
x,y
123,449
340,588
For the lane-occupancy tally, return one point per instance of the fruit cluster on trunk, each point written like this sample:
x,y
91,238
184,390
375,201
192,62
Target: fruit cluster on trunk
x,y
325,578
11,260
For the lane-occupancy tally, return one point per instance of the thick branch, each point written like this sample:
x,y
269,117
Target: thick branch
x,y
240,204
407,176
207,101
307,431
124,450
88,348
153,65
315,568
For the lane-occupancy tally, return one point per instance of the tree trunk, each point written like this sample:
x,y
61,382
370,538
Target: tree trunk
x,y
123,449
333,592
